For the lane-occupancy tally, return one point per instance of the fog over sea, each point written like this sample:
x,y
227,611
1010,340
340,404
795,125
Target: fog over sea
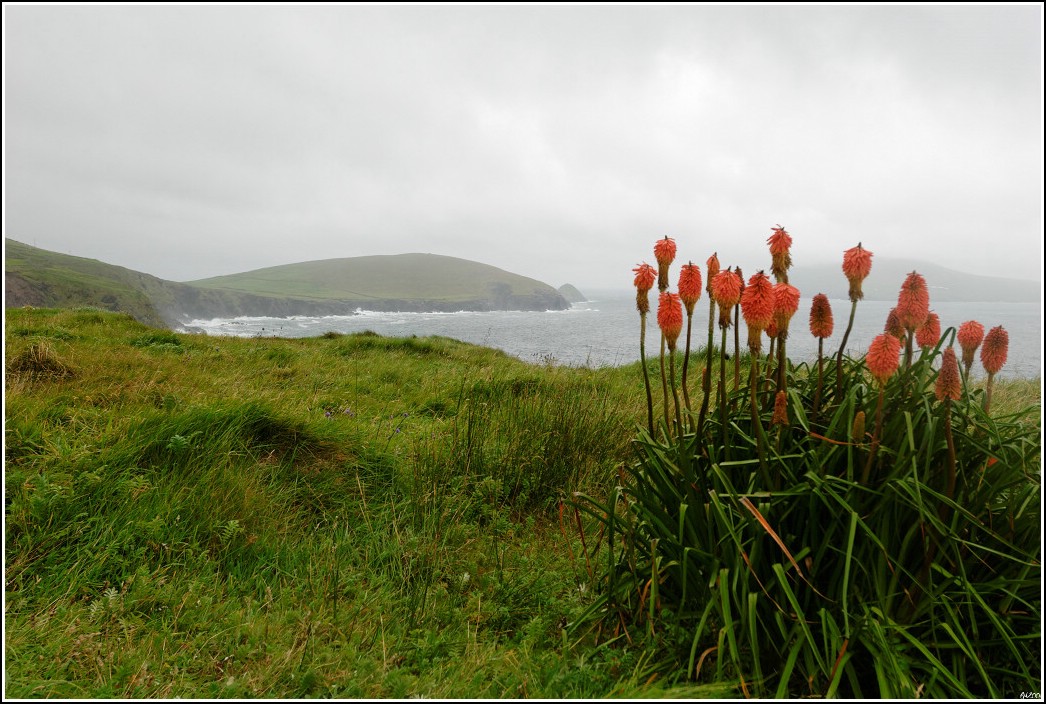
x,y
604,331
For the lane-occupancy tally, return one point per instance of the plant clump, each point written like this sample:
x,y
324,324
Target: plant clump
x,y
865,531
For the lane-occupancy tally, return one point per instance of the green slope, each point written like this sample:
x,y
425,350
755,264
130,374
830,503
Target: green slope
x,y
412,282
429,278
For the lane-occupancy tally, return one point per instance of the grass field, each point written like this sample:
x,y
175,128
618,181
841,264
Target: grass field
x,y
342,516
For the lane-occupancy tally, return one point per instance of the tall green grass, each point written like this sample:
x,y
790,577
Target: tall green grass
x,y
347,516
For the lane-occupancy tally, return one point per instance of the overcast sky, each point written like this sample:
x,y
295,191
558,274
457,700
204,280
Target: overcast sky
x,y
556,142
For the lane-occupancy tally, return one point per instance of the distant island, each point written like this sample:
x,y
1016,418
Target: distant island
x,y
402,282
571,293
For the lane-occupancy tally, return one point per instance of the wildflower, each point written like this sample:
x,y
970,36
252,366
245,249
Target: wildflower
x,y
884,356
821,323
970,335
993,354
780,416
644,281
948,384
664,252
857,264
771,329
757,302
893,325
711,269
913,303
780,242
786,303
670,317
690,286
726,290
929,334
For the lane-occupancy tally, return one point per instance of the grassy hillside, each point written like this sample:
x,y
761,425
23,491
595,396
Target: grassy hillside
x,y
406,277
349,516
421,282
344,516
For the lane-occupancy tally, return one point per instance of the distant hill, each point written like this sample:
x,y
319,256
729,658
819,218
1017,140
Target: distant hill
x,y
411,282
571,293
888,274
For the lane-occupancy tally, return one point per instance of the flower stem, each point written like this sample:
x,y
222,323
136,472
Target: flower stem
x,y
842,351
646,374
706,377
686,364
664,388
722,396
875,437
820,375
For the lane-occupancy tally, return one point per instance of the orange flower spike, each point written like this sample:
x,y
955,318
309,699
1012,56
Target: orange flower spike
x,y
884,356
664,252
757,302
644,281
948,384
821,323
670,317
913,303
995,349
780,416
930,333
857,264
726,291
771,329
970,335
780,243
690,286
711,269
893,325
786,303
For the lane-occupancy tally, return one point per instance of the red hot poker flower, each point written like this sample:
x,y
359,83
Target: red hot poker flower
x,y
996,346
670,317
780,416
711,269
893,325
970,335
780,243
884,356
664,252
786,303
646,275
690,286
948,384
821,323
757,302
644,281
930,333
857,264
913,303
726,290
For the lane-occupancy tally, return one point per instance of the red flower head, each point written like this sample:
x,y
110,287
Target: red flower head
x,y
913,303
857,264
690,286
771,329
670,317
645,277
948,384
821,323
893,325
726,290
884,356
970,335
780,416
757,302
664,252
930,333
711,269
786,303
780,242
996,345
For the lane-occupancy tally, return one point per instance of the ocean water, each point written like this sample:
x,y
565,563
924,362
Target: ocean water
x,y
604,331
